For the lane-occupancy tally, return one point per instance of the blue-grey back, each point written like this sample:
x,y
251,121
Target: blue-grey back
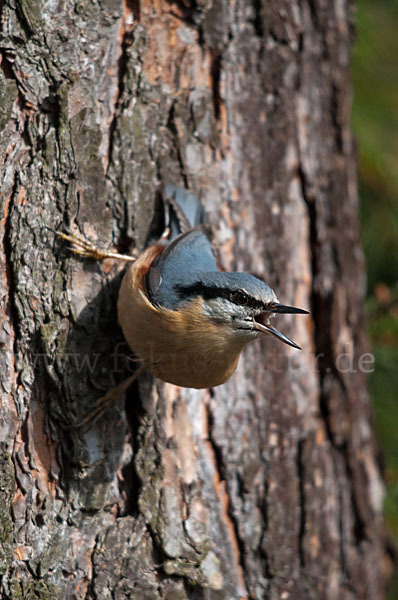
x,y
181,263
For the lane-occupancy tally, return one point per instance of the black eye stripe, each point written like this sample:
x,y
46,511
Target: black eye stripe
x,y
239,297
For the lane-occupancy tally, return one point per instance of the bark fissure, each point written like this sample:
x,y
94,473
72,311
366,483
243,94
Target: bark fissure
x,y
302,501
171,124
334,112
314,13
258,19
9,266
6,65
232,525
360,525
132,484
91,591
25,22
278,40
322,315
263,499
215,71
131,7
319,305
322,310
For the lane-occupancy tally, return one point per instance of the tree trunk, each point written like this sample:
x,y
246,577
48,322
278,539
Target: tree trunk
x,y
267,486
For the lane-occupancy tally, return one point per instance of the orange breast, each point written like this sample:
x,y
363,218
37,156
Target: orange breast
x,y
183,347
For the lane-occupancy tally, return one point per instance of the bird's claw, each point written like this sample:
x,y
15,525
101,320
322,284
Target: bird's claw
x,y
83,247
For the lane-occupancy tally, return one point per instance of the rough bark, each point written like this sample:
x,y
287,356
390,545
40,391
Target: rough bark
x,y
268,486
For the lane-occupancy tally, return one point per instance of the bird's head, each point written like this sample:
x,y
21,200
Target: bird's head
x,y
241,301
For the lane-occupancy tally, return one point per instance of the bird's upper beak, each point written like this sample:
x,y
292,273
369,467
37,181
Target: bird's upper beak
x,y
261,321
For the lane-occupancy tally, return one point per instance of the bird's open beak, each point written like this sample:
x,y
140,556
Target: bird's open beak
x,y
261,322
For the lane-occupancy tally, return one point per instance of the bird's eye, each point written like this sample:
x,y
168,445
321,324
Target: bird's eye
x,y
241,298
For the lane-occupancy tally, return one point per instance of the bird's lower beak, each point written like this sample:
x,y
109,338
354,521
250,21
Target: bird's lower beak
x,y
261,322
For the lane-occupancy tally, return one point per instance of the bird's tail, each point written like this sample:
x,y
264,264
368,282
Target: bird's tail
x,y
183,210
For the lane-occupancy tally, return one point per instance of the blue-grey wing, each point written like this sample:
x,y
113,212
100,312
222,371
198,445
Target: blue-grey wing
x,y
179,265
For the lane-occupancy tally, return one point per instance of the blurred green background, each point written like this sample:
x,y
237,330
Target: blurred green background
x,y
375,123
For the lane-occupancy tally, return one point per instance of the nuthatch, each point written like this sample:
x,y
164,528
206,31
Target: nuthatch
x,y
183,318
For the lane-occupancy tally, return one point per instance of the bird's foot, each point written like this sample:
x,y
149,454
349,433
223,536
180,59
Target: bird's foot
x,y
84,248
106,402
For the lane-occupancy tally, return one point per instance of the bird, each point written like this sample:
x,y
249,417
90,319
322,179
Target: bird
x,y
185,320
